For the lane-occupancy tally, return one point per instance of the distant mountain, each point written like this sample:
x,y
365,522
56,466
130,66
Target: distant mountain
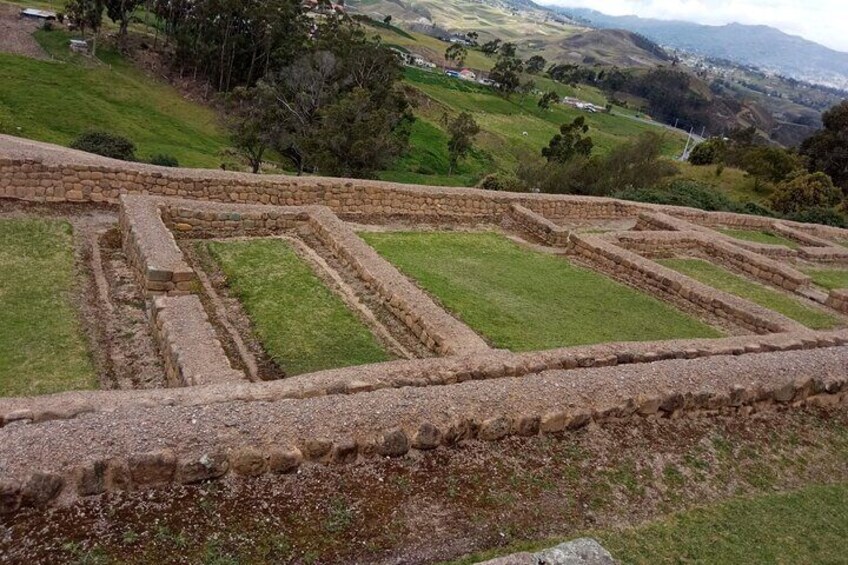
x,y
612,47
760,46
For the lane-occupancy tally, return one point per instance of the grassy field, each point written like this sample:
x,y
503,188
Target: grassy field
x,y
428,162
303,325
804,526
526,301
56,100
722,279
734,183
830,279
759,236
507,120
42,349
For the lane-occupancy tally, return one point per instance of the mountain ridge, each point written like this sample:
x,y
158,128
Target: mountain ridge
x,y
761,46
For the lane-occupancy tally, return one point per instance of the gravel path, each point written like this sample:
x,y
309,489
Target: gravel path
x,y
16,33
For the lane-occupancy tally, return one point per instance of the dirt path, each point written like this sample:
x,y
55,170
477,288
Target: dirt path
x,y
16,33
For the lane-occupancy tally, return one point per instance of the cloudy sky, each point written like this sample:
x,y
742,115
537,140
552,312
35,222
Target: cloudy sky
x,y
823,21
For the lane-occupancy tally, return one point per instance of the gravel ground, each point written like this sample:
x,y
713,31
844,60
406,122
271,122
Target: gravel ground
x,y
192,430
16,33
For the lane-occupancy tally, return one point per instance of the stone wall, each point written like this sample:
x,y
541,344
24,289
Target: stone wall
x,y
118,454
838,300
190,348
150,249
148,220
670,285
698,244
537,226
43,172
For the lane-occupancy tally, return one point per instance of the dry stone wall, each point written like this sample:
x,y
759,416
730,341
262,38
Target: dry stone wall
x,y
670,285
190,348
664,243
110,452
42,172
149,219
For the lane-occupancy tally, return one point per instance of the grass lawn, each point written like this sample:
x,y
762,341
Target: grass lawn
x,y
830,279
758,236
804,526
55,101
722,279
303,325
42,349
525,301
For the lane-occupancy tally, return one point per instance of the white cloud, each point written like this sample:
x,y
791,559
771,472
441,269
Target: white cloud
x,y
823,21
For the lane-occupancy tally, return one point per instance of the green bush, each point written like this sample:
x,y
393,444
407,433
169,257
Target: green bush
x,y
804,190
105,144
683,192
164,160
502,182
708,153
819,215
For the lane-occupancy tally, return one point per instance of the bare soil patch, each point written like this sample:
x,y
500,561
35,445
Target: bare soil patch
x,y
446,503
16,33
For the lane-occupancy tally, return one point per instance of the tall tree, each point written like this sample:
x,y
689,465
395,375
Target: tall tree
x,y
507,74
463,129
338,109
827,150
547,99
119,11
569,142
491,47
247,114
536,64
457,53
86,15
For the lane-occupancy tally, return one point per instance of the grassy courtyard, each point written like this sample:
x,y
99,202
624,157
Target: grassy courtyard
x,y
42,349
723,279
758,236
525,301
302,324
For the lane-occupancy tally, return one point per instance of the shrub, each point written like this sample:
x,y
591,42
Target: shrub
x,y
502,182
805,190
105,144
819,215
164,160
708,153
682,192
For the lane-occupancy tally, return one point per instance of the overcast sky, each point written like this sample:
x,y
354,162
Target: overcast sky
x,y
823,21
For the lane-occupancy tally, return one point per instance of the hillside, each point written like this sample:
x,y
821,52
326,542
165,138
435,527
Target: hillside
x,y
760,46
57,100
534,29
613,47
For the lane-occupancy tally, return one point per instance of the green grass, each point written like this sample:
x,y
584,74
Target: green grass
x,y
722,279
525,301
42,349
758,236
428,162
503,121
54,101
831,279
303,325
808,525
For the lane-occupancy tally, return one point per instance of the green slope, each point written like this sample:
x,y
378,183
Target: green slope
x,y
56,100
